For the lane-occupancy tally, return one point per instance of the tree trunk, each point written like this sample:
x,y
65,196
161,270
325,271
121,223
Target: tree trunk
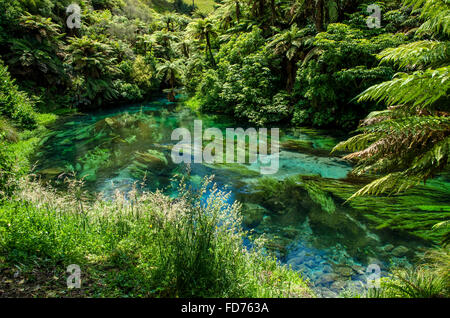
x,y
274,12
318,18
186,51
261,8
171,96
171,93
291,72
208,47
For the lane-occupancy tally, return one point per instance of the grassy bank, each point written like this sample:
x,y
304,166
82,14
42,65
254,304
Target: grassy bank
x,y
147,245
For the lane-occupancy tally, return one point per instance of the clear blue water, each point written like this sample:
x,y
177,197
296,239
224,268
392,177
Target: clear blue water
x,y
106,149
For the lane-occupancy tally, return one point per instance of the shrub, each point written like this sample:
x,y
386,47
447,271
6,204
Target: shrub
x,y
14,161
127,91
15,104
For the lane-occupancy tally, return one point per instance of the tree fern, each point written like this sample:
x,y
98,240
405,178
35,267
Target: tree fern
x,y
436,14
417,54
420,90
410,140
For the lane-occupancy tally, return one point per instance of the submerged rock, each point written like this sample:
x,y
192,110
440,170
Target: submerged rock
x,y
327,278
400,251
253,214
327,269
339,285
107,123
52,172
345,271
358,269
154,159
327,293
295,261
373,260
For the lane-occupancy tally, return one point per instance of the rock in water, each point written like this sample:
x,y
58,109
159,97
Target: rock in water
x,y
344,271
295,261
253,214
107,123
400,251
328,278
339,285
153,159
51,172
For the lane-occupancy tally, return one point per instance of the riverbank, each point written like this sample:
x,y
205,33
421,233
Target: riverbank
x,y
148,245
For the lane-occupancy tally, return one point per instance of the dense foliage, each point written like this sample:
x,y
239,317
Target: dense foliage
x,y
288,61
410,140
293,62
284,62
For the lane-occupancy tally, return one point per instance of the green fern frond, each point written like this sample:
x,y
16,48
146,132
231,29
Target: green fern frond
x,y
409,127
436,157
435,12
420,89
356,143
390,184
417,54
441,225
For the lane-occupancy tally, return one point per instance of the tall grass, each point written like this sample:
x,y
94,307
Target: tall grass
x,y
141,243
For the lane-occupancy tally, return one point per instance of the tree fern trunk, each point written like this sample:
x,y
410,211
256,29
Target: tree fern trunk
x,y
208,47
318,18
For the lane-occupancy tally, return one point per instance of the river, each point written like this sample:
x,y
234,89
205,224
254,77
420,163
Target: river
x,y
300,208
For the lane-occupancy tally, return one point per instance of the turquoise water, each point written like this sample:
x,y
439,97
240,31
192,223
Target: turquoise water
x,y
307,227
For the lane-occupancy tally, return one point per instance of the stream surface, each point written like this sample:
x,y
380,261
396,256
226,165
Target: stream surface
x,y
300,208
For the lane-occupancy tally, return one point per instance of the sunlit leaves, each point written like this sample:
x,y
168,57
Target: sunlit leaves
x,y
436,14
418,90
417,54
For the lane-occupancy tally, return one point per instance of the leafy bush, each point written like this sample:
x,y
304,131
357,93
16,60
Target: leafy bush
x,y
6,167
409,141
107,4
243,84
14,162
341,64
15,104
143,72
127,91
